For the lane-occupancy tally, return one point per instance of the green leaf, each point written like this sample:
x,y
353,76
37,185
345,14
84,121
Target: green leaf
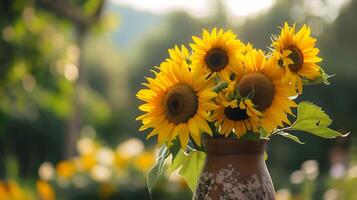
x,y
265,155
263,133
220,86
314,120
291,137
156,171
190,166
175,147
178,161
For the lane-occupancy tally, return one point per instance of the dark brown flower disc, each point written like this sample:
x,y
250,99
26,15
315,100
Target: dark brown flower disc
x,y
297,57
236,114
181,103
216,59
260,86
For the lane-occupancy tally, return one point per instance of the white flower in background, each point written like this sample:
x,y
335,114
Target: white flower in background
x,y
283,194
352,172
85,146
130,148
71,72
297,177
337,170
46,171
331,194
105,156
101,173
310,169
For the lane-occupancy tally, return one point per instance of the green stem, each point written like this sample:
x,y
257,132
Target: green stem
x,y
220,86
290,128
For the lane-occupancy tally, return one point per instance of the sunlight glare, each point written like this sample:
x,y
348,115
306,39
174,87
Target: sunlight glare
x,y
243,8
198,8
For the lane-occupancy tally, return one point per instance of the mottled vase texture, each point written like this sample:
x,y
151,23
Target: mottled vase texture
x,y
234,169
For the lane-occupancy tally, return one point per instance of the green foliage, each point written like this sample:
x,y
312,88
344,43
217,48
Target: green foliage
x,y
291,137
311,119
314,120
11,167
175,147
263,133
94,103
220,86
39,72
266,155
90,7
156,171
189,166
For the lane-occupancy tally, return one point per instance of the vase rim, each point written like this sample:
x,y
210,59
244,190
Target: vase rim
x,y
229,146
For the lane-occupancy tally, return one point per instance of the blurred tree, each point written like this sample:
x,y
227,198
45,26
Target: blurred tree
x,y
42,83
33,87
83,17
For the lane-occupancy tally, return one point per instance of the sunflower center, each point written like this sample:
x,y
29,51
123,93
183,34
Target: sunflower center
x,y
216,59
236,114
260,86
181,103
297,57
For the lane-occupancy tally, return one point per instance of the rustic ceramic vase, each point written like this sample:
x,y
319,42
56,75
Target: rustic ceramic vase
x,y
234,169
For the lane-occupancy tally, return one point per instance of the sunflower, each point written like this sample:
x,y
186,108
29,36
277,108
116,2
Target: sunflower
x,y
179,56
297,55
262,83
177,103
236,71
235,116
247,48
217,52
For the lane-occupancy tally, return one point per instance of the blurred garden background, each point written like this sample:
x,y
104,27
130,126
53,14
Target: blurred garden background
x,y
70,69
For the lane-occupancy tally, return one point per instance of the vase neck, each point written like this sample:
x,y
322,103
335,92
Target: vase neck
x,y
230,146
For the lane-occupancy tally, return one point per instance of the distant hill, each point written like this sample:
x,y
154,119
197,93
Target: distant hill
x,y
133,24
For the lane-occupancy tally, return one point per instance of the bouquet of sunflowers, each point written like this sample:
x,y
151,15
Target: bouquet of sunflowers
x,y
222,87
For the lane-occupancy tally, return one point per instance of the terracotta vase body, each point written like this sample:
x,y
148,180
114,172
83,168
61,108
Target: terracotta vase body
x,y
234,169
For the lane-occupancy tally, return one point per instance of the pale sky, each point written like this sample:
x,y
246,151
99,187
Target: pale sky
x,y
325,11
199,8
